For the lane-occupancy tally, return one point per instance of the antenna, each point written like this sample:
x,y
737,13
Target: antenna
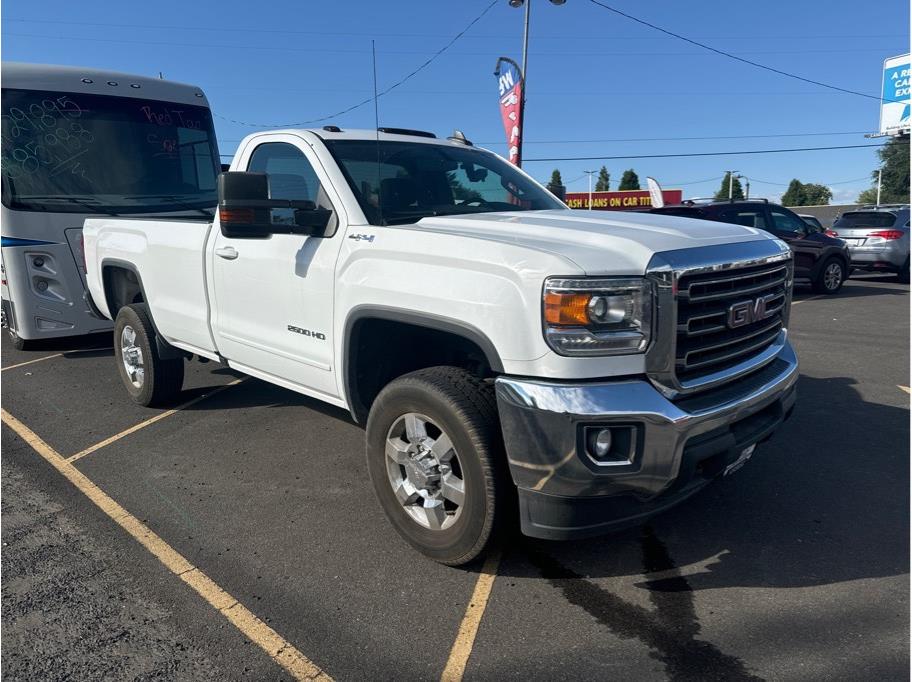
x,y
377,127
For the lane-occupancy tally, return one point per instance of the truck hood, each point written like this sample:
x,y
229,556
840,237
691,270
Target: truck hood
x,y
618,243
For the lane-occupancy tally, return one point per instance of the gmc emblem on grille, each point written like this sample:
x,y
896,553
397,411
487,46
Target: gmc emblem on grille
x,y
745,312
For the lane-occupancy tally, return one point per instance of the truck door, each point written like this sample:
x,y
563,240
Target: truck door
x,y
274,297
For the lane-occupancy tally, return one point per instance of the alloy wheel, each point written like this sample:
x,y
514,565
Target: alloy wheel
x,y
132,356
424,471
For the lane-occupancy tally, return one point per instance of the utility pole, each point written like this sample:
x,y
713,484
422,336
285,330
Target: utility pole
x,y
879,177
589,173
731,183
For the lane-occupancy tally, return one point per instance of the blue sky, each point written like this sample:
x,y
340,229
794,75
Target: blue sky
x,y
592,75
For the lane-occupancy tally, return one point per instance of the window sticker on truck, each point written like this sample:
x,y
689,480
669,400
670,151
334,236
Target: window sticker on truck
x,y
306,332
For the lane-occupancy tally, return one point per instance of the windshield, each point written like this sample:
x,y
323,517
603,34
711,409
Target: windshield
x,y
78,153
866,219
403,182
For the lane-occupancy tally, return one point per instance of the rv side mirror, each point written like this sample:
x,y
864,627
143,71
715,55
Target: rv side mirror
x,y
245,209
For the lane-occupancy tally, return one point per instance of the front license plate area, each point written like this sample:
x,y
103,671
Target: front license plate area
x,y
741,461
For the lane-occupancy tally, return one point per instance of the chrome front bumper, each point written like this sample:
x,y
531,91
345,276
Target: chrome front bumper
x,y
680,445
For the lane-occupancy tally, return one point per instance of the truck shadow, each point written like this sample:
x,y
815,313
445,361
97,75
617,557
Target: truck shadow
x,y
825,501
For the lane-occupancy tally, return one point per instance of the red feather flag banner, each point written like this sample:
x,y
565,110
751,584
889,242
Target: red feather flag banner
x,y
510,85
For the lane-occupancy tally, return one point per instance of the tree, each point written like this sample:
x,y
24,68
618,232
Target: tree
x,y
869,196
737,192
603,183
817,195
894,186
629,180
810,194
556,186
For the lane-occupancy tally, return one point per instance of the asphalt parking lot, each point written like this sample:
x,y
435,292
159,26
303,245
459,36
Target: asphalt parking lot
x,y
795,568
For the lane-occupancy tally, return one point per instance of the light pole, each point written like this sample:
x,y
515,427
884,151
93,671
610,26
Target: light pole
x,y
879,178
589,173
525,57
731,182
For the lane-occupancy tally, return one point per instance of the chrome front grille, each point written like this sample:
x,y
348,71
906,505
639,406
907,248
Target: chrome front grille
x,y
726,317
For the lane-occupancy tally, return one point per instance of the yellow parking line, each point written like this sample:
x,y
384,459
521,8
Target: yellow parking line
x,y
133,429
904,388
280,650
31,362
468,629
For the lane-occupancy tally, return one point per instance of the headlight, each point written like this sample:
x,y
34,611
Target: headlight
x,y
597,316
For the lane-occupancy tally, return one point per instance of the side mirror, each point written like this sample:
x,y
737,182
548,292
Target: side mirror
x,y
245,209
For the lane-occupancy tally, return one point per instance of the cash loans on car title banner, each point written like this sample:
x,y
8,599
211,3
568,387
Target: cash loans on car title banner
x,y
510,85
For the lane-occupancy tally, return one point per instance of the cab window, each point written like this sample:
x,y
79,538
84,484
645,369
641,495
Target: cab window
x,y
291,176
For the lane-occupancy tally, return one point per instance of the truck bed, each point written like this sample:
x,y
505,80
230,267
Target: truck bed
x,y
169,258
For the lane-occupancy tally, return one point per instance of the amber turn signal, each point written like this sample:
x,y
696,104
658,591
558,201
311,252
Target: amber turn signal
x,y
567,309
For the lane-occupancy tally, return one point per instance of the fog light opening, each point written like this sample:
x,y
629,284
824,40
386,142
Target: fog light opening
x,y
610,445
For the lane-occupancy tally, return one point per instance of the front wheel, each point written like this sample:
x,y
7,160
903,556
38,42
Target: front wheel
x,y
18,342
149,378
831,277
435,458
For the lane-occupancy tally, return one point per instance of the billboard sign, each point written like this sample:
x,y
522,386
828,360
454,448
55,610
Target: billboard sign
x,y
510,85
626,200
894,107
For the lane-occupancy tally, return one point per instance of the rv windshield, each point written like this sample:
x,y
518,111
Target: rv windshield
x,y
78,153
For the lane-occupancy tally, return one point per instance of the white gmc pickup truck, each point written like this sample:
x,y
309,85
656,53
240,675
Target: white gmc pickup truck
x,y
508,356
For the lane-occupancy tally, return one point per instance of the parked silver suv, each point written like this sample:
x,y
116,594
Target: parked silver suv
x,y
877,237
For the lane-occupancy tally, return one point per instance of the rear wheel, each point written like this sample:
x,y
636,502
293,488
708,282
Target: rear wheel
x,y
903,274
435,459
831,277
148,378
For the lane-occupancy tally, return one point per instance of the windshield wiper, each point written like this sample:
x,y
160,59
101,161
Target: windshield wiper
x,y
85,202
403,217
178,201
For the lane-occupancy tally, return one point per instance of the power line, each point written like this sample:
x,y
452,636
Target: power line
x,y
786,184
694,182
247,30
677,139
736,57
376,95
693,154
282,48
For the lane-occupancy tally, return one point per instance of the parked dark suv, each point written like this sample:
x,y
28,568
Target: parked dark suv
x,y
819,259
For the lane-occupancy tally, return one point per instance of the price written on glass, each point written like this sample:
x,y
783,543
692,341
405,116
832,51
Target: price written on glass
x,y
171,119
48,135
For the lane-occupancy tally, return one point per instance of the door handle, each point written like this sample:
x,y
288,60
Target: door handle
x,y
227,252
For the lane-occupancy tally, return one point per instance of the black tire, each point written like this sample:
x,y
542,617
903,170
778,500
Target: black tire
x,y
822,284
464,407
162,379
18,342
903,274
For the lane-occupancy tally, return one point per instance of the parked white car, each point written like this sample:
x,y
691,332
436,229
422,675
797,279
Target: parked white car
x,y
505,352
